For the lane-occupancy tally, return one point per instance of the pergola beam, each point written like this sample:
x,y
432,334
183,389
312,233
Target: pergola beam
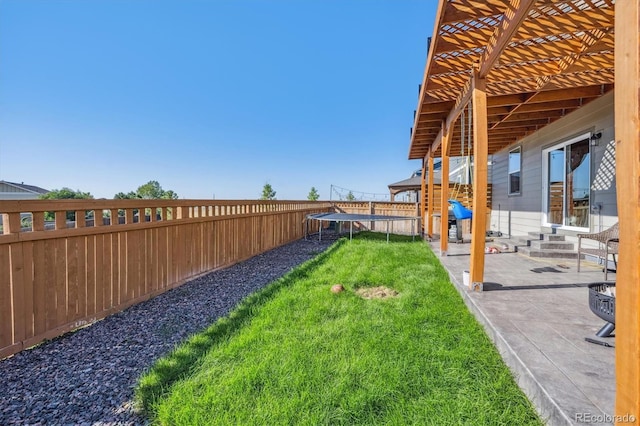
x,y
514,16
584,20
423,87
588,39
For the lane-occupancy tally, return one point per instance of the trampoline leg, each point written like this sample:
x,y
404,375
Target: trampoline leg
x,y
413,227
350,230
387,232
320,228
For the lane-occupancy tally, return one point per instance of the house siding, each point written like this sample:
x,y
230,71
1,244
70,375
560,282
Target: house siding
x,y
15,191
10,192
10,188
519,214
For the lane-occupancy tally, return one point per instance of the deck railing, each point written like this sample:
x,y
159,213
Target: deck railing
x,y
84,264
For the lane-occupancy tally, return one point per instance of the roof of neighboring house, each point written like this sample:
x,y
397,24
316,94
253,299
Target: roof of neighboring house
x,y
28,188
539,61
412,182
457,166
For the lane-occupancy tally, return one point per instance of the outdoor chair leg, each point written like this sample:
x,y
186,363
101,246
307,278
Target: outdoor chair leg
x,y
606,265
606,330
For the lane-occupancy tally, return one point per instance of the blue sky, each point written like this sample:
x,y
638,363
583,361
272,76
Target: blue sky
x,y
210,98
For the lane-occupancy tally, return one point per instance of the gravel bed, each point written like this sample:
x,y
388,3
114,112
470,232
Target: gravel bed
x,y
87,377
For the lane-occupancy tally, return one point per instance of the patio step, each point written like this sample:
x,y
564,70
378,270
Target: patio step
x,y
551,245
548,253
541,245
512,243
546,236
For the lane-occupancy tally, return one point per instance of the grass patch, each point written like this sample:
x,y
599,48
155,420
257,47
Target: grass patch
x,y
296,353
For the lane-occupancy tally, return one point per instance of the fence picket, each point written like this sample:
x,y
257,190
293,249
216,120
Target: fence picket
x,y
54,280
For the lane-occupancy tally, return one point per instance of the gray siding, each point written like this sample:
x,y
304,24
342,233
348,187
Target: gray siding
x,y
10,192
522,213
10,188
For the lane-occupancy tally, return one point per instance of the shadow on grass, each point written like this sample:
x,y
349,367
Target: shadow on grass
x,y
186,358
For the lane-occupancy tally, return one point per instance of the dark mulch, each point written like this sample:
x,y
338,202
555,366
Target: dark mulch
x,y
88,376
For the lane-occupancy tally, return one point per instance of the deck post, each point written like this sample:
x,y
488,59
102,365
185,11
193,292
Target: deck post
x,y
444,192
627,136
423,194
430,197
480,157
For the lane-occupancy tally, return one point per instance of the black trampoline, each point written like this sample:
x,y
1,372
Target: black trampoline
x,y
357,217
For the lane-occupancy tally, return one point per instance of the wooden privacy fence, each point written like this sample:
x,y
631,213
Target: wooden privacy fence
x,y
407,227
88,266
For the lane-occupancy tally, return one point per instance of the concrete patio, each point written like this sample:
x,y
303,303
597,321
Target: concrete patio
x,y
537,313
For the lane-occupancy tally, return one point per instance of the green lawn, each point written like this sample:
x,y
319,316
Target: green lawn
x,y
295,353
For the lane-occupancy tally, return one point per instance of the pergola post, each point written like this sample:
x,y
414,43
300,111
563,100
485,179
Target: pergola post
x,y
430,197
423,194
444,192
480,157
627,136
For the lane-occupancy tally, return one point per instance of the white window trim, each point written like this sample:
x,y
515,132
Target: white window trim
x,y
545,177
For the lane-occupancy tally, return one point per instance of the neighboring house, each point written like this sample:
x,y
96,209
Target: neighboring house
x,y
19,191
459,173
411,186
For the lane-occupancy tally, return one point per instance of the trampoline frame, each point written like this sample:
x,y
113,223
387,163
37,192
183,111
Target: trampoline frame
x,y
357,217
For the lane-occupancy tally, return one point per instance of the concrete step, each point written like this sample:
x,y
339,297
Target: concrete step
x,y
553,254
551,245
545,236
539,248
553,237
512,243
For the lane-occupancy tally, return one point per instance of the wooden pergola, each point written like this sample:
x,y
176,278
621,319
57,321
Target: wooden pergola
x,y
512,67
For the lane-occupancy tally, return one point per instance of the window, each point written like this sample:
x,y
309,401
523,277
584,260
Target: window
x,y
514,170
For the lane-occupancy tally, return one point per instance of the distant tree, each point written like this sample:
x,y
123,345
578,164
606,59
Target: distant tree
x,y
313,194
149,191
64,194
350,196
127,196
267,192
152,190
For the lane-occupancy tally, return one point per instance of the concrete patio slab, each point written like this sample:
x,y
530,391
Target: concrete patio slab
x,y
537,313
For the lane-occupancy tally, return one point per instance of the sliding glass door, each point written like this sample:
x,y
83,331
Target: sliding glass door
x,y
567,180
